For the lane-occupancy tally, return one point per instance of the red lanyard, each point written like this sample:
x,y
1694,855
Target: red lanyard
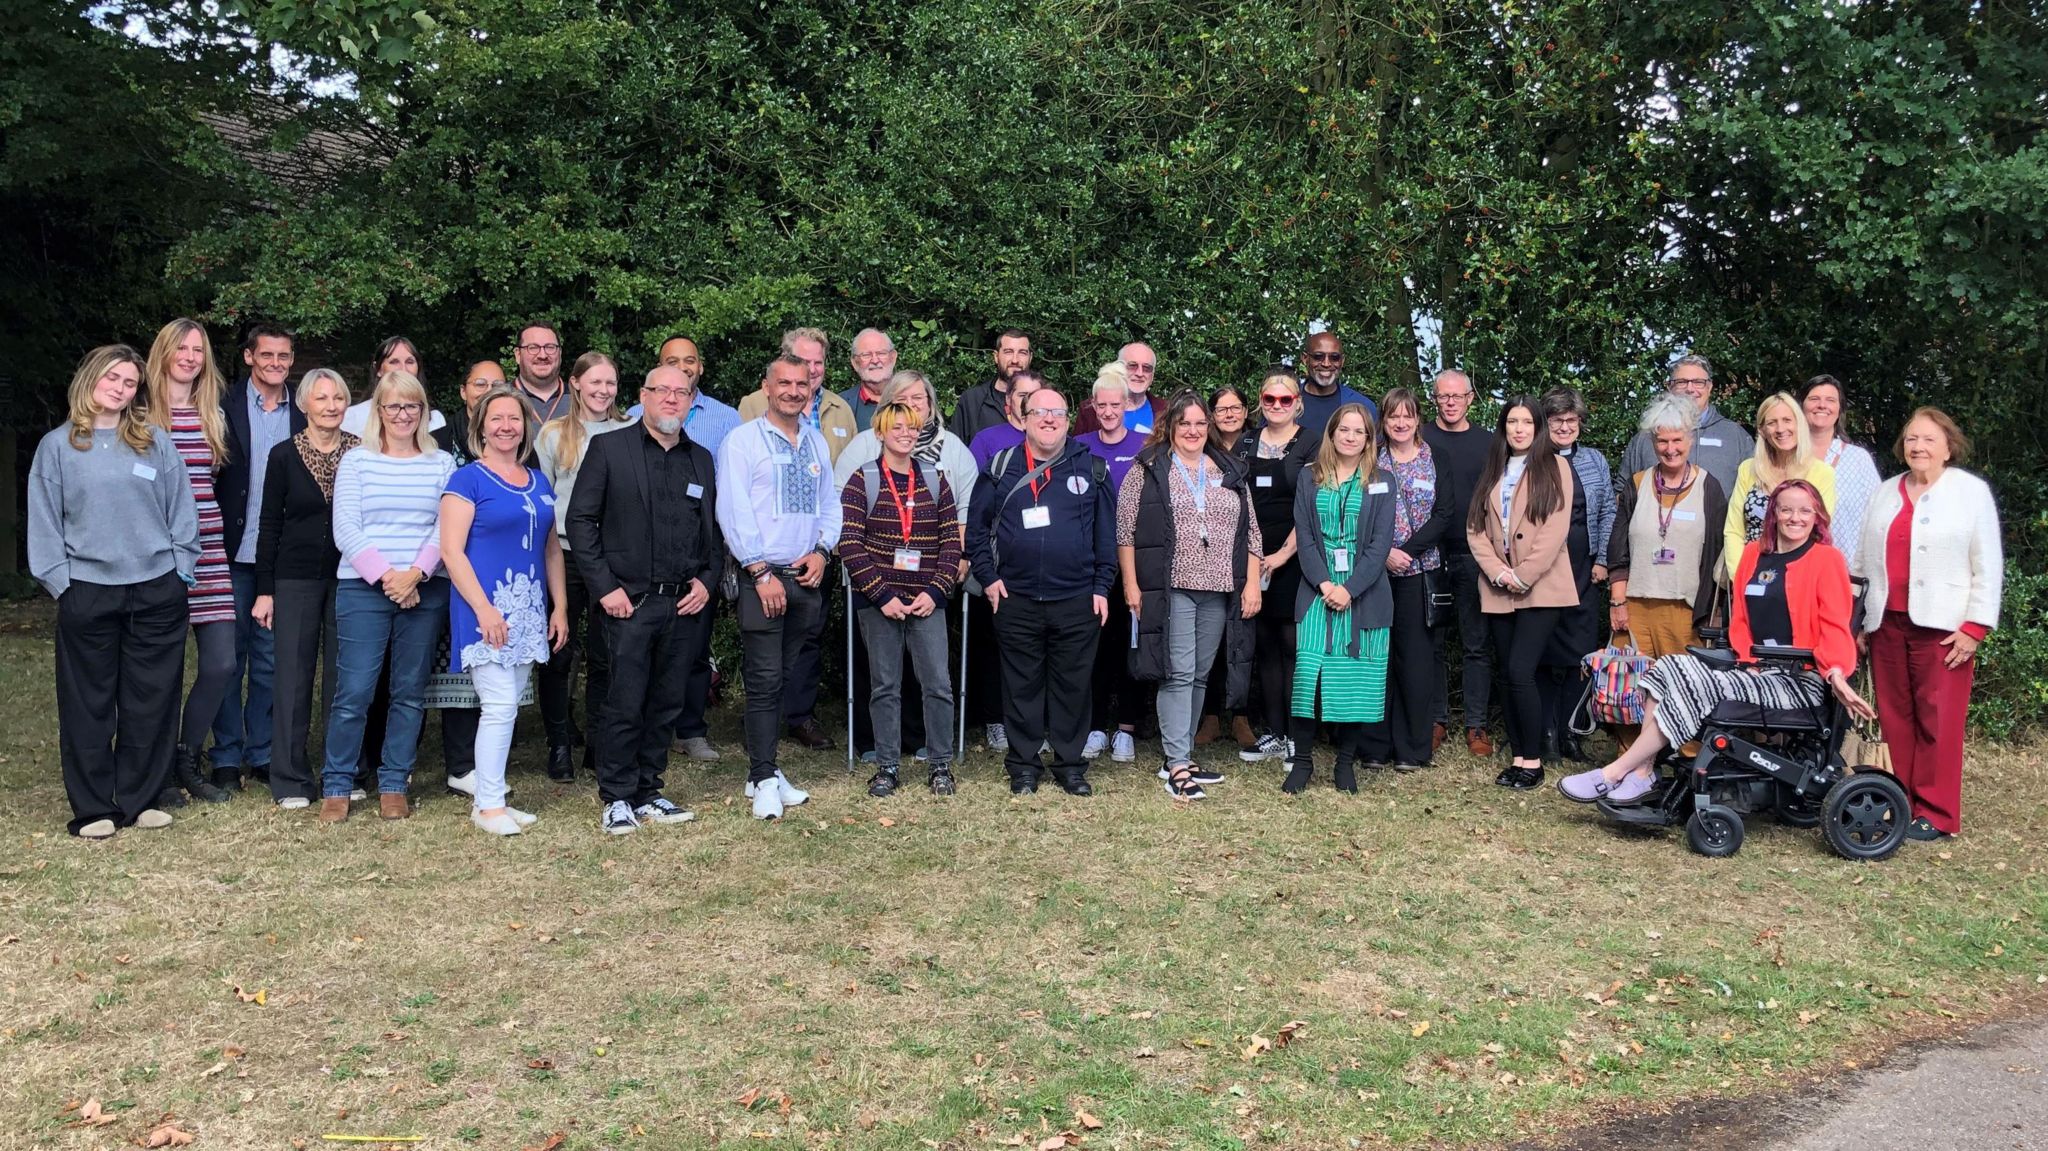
x,y
903,502
1030,467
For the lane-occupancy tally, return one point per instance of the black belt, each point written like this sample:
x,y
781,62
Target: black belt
x,y
671,590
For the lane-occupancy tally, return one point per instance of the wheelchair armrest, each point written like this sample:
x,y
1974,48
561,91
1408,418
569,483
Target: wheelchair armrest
x,y
1795,656
1720,657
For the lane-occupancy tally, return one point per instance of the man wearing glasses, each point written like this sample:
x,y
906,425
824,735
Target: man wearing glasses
x,y
874,361
1719,444
539,356
1141,405
1041,536
1323,389
1460,447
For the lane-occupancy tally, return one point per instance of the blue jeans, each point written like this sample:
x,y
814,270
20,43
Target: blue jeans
x,y
241,731
367,626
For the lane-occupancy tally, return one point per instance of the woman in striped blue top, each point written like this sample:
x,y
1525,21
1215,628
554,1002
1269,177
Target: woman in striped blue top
x,y
387,511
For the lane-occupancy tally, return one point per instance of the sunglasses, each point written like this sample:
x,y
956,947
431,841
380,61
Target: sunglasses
x,y
1278,401
1326,357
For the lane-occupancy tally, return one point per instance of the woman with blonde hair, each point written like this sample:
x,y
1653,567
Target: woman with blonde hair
x,y
559,448
388,607
1784,451
181,395
113,534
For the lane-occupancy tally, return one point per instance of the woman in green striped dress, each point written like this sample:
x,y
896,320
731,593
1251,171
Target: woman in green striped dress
x,y
1343,525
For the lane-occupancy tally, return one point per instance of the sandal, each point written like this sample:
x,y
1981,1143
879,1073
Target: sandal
x,y
1180,783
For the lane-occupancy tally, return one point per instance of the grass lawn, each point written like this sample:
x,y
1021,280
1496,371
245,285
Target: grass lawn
x,y
1470,965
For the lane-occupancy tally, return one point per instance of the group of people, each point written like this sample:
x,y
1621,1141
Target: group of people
x,y
1152,564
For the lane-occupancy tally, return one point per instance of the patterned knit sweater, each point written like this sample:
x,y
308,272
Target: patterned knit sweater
x,y
869,540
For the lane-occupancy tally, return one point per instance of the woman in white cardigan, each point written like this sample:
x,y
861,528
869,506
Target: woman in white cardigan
x,y
1931,552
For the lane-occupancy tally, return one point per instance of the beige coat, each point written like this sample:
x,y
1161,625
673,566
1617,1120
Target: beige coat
x,y
835,419
1540,560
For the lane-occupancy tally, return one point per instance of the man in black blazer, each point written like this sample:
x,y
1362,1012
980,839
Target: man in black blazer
x,y
260,415
643,530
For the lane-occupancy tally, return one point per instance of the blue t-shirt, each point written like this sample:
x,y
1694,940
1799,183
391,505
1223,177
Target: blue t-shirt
x,y
507,549
1117,455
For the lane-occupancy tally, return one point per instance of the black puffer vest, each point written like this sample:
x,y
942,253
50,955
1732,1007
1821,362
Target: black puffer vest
x,y
1153,543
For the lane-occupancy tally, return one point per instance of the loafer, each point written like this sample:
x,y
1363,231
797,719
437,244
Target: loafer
x,y
502,824
1077,785
1023,787
150,819
1437,734
1506,778
1585,786
1632,789
698,748
97,829
1522,778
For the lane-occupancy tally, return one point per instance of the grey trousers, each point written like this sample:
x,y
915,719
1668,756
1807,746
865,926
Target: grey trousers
x,y
925,640
1194,626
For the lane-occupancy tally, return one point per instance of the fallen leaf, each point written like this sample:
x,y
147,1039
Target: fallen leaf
x,y
232,1052
540,1065
1139,1015
1144,1053
1419,1030
1088,1122
214,1070
515,925
1288,1031
1055,1142
1257,1047
260,997
885,821
550,1143
90,1113
752,1096
867,1119
168,1135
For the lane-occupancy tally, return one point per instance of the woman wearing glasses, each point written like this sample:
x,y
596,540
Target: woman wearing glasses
x,y
389,607
1273,458
1578,628
1228,410
1423,514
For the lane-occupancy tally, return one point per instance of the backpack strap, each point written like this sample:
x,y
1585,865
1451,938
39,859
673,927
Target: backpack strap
x,y
871,479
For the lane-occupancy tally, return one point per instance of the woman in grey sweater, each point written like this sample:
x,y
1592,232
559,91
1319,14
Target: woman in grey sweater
x,y
113,534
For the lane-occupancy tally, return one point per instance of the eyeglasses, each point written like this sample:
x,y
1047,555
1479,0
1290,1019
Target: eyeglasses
x,y
1228,410
1440,397
405,409
872,357
1674,381
667,395
1046,413
1327,357
548,348
1564,421
1137,368
1281,400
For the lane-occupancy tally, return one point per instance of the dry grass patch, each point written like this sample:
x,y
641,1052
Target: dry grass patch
x,y
1471,965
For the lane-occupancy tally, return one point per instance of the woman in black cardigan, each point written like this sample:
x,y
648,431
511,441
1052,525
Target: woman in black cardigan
x,y
296,563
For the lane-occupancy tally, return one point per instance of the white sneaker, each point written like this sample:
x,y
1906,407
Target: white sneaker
x,y
464,783
150,819
496,824
1125,749
619,819
294,803
660,810
357,795
97,829
1096,745
791,794
767,802
996,737
522,818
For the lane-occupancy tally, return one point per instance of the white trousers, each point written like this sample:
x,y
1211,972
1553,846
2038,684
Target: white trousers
x,y
497,688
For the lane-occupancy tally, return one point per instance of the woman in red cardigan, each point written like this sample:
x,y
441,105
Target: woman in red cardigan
x,y
1791,590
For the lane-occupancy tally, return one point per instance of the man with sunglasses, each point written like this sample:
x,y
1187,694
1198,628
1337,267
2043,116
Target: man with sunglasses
x,y
1719,444
1460,449
1141,405
1323,389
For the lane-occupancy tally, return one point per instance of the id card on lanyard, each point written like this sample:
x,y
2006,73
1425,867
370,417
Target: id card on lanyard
x,y
1037,515
908,559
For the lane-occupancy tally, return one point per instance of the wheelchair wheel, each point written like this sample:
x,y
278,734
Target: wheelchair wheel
x,y
1865,816
1795,810
1714,831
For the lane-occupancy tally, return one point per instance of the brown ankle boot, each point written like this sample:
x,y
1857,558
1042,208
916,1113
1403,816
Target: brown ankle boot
x,y
1241,731
393,805
334,809
1208,731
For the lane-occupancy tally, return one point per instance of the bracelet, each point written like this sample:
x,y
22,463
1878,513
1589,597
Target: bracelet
x,y
1617,603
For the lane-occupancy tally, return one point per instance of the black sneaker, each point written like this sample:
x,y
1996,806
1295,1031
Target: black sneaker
x,y
1920,829
942,781
883,785
1526,778
1405,767
1508,775
1269,746
1196,774
618,818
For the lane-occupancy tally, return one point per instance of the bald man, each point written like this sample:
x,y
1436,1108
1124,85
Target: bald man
x,y
1141,406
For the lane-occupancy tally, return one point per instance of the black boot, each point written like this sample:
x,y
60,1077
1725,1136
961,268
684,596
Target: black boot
x,y
1076,784
883,785
187,772
942,781
562,763
170,797
1343,776
1299,770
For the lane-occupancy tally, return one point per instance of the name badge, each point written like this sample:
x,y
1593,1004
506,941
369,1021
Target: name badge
x,y
1037,517
1709,442
145,471
1379,489
695,491
1216,482
908,559
1340,560
1263,482
840,432
1753,589
1665,556
1684,516
548,500
1424,485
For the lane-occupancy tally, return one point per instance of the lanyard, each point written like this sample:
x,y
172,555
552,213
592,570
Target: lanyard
x,y
1664,514
694,409
1198,489
1030,467
903,501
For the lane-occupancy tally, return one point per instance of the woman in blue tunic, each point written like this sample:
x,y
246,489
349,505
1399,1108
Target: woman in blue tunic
x,y
499,544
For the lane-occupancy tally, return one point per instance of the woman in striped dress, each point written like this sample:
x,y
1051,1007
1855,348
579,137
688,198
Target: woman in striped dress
x,y
1343,528
183,389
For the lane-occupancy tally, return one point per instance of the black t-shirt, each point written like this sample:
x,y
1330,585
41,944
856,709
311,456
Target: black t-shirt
x,y
1770,615
1460,461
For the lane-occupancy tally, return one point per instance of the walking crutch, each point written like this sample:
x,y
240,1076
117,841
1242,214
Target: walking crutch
x,y
966,607
846,582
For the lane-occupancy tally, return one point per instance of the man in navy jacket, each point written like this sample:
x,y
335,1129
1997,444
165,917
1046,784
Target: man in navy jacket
x,y
1041,536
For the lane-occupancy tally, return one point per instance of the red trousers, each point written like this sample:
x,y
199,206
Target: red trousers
x,y
1922,705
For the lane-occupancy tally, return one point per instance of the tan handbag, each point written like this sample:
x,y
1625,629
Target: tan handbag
x,y
1864,749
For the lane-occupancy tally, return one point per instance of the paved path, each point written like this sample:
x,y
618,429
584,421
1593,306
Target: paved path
x,y
1986,1091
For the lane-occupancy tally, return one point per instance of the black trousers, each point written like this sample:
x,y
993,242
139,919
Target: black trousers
x,y
1412,681
912,716
984,684
1048,651
558,674
1273,657
120,670
1115,700
458,739
302,630
1520,637
690,722
650,663
801,674
773,649
1475,642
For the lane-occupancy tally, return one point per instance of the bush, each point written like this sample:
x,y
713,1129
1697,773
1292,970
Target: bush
x,y
2011,695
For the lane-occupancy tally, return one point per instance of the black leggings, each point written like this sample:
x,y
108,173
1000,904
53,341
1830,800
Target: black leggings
x,y
1519,638
1273,653
217,667
1412,681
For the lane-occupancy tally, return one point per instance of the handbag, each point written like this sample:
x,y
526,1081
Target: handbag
x,y
1614,684
1437,601
1863,747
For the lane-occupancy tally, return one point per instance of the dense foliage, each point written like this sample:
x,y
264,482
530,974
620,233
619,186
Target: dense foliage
x,y
1539,192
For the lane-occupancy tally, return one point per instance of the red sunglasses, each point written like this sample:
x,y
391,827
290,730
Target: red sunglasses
x,y
1279,401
